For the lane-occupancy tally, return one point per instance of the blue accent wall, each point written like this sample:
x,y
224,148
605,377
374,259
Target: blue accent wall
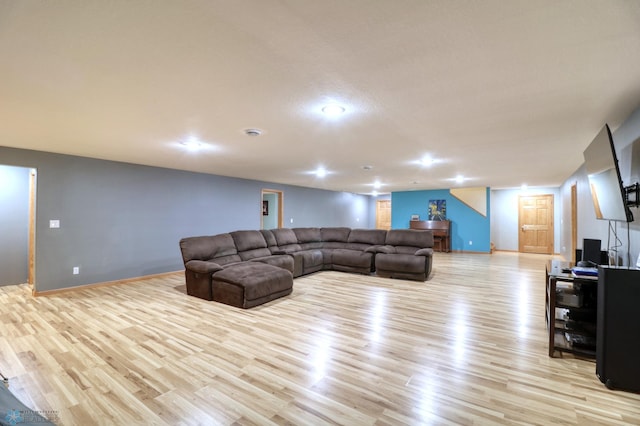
x,y
467,225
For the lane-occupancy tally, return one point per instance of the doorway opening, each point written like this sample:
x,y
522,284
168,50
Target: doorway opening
x,y
271,215
18,221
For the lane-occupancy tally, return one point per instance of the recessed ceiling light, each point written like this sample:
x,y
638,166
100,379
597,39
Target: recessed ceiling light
x,y
192,143
374,193
321,172
377,185
333,110
427,161
459,179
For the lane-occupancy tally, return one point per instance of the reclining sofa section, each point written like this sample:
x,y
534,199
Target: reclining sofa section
x,y
248,268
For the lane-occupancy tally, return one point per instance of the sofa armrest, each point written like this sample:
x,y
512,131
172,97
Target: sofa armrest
x,y
203,267
424,252
386,249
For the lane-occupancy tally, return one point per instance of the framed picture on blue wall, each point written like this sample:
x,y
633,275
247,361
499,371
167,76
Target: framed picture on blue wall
x,y
437,209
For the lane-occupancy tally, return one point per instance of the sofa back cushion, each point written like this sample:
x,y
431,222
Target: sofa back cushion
x,y
308,238
286,240
284,236
361,239
220,249
409,237
367,236
339,235
250,244
307,235
269,238
248,240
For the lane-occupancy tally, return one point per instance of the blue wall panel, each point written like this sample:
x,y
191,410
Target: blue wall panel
x,y
470,231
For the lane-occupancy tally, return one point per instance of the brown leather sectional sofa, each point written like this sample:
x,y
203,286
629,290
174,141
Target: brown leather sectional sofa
x,y
248,268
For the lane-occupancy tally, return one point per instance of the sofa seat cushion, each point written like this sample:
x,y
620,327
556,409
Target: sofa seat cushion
x,y
354,258
408,263
254,254
311,258
283,261
245,284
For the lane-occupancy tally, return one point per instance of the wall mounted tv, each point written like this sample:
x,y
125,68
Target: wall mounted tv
x,y
607,192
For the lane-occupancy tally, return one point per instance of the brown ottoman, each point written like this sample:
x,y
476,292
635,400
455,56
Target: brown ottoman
x,y
250,284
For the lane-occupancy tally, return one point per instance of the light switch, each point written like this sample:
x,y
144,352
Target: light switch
x,y
54,223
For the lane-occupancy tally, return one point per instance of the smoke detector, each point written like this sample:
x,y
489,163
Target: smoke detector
x,y
253,132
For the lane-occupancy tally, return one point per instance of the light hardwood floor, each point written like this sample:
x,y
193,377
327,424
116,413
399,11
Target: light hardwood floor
x,y
466,347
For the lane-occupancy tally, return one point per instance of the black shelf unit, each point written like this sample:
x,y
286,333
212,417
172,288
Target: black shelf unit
x,y
575,331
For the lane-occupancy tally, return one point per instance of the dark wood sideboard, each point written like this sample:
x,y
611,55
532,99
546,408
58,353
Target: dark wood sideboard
x,y
441,232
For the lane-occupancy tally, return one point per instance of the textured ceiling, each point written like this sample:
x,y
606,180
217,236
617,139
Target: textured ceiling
x,y
502,92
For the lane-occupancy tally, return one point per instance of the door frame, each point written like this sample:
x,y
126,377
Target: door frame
x,y
574,221
32,228
280,198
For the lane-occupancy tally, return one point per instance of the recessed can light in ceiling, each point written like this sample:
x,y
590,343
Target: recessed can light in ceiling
x,y
367,167
333,110
192,143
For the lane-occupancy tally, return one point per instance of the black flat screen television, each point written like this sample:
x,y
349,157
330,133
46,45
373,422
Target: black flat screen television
x,y
607,191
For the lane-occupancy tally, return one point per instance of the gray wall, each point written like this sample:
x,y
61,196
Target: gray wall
x,y
14,225
120,220
627,143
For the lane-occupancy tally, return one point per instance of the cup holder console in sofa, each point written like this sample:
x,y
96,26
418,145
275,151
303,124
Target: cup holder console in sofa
x,y
248,268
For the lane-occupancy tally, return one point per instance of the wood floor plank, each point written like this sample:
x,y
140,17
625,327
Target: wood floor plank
x,y
466,347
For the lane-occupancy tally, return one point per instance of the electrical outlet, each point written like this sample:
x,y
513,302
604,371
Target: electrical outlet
x,y
76,270
55,223
291,220
470,243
